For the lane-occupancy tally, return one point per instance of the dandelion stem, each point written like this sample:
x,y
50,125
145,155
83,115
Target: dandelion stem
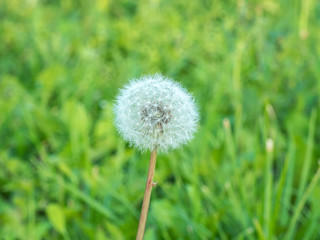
x,y
147,194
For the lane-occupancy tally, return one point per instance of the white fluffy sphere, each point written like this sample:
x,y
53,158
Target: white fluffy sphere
x,y
155,113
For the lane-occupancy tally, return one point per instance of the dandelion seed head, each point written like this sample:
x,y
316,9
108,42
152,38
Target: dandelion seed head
x,y
154,112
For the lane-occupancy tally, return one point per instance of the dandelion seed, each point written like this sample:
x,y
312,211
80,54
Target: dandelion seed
x,y
161,108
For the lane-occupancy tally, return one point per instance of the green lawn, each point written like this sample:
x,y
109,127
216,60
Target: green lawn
x,y
252,170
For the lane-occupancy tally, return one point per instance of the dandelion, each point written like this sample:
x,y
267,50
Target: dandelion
x,y
157,114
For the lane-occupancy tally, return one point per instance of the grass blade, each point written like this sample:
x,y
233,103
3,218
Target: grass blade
x,y
300,206
307,162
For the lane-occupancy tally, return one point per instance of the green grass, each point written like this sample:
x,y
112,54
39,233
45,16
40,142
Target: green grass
x,y
254,69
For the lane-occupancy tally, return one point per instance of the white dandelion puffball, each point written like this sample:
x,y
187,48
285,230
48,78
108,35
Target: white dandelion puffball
x,y
155,113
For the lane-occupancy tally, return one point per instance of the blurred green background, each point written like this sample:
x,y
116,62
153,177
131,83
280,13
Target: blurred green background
x,y
254,69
